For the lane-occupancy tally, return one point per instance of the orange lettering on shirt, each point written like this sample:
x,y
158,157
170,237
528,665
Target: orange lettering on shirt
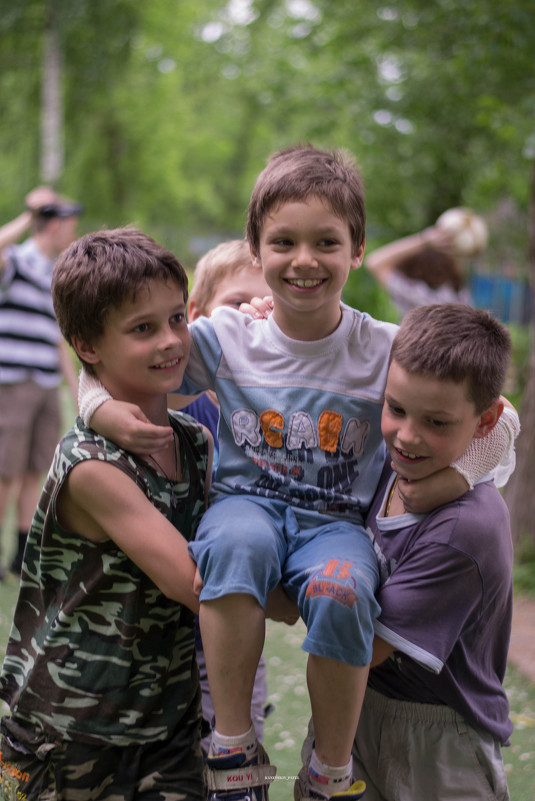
x,y
329,427
272,422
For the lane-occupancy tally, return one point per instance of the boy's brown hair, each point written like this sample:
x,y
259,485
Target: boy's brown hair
x,y
227,258
298,173
455,342
433,267
100,271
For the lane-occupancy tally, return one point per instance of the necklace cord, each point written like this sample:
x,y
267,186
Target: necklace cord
x,y
391,495
171,481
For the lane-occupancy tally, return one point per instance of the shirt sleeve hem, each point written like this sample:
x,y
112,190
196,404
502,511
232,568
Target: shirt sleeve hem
x,y
424,658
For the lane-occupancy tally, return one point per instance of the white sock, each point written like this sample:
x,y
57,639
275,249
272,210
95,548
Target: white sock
x,y
224,744
328,779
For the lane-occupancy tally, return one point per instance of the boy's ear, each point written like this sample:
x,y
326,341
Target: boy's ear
x,y
358,256
193,311
489,418
85,351
255,258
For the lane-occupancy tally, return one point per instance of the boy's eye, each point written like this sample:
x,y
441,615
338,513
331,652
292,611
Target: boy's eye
x,y
237,302
141,328
438,423
178,318
396,410
328,243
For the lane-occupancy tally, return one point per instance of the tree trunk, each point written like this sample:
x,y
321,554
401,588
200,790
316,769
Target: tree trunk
x,y
520,491
51,104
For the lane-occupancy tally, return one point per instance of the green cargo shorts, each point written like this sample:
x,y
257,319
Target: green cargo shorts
x,y
406,751
410,752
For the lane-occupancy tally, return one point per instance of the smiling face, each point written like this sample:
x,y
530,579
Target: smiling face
x,y
143,352
427,423
306,254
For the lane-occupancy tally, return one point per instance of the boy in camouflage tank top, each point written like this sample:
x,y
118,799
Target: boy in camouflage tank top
x,y
100,671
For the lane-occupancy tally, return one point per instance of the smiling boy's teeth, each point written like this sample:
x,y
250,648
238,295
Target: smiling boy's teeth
x,y
163,365
305,283
408,455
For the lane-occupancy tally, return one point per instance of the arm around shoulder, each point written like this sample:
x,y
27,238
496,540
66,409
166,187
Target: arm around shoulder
x,y
494,453
121,422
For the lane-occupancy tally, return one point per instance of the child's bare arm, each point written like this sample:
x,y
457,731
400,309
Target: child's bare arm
x,y
421,497
100,502
125,424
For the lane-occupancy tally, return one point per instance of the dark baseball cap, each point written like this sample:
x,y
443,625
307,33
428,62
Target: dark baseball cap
x,y
61,208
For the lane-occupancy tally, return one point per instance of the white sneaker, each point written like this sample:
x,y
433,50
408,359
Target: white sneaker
x,y
233,777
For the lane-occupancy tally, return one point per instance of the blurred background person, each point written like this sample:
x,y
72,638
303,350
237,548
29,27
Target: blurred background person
x,y
33,356
430,266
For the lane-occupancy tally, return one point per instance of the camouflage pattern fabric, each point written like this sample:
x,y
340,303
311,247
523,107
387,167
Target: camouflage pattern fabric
x,y
97,654
33,768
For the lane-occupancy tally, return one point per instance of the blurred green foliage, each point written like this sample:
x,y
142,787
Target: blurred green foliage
x,y
170,110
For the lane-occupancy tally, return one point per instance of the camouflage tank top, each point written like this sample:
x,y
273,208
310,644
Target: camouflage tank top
x,y
97,653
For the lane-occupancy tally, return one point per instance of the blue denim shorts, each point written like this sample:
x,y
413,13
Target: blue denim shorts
x,y
248,545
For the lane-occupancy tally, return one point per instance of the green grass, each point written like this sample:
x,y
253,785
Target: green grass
x,y
286,728
519,758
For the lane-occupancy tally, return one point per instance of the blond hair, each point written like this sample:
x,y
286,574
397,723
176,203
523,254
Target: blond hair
x,y
215,266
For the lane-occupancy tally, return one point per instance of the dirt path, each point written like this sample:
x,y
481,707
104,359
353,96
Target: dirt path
x,y
522,648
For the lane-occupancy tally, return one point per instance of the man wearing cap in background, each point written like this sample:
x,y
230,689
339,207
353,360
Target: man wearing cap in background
x,y
33,355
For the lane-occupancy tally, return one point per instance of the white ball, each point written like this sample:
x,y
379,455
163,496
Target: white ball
x,y
469,231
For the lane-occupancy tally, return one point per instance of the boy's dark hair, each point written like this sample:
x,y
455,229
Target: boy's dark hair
x,y
300,172
100,271
434,268
455,342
